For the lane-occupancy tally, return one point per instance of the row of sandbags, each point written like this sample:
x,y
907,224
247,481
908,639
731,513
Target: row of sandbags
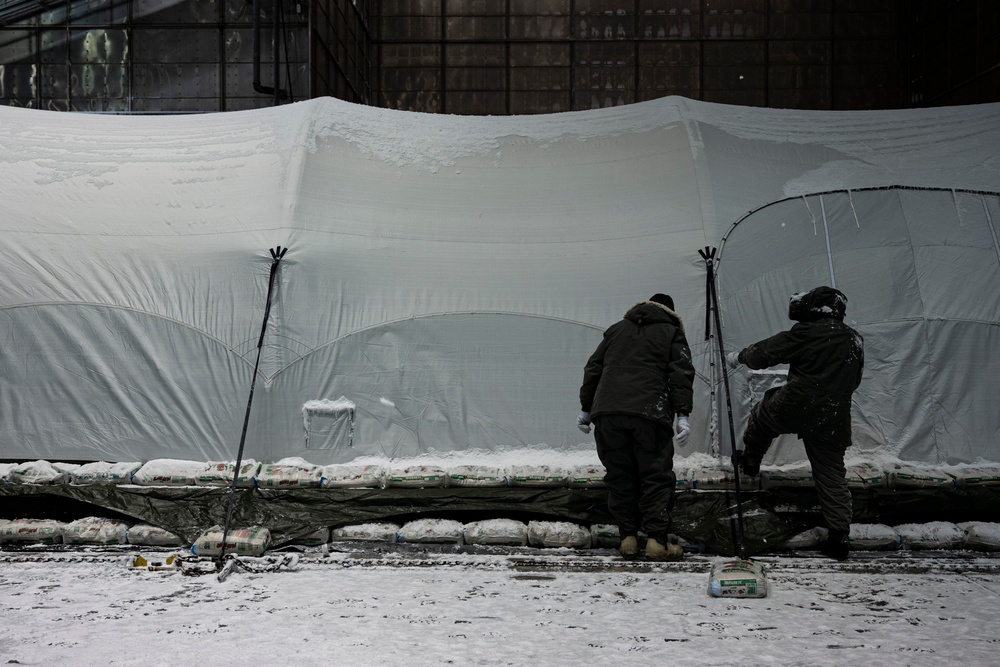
x,y
934,535
297,473
294,473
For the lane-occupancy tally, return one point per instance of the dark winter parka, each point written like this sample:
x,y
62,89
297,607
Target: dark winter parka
x,y
826,360
642,367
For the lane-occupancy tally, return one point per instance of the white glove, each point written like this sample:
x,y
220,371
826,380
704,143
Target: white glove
x,y
683,431
733,359
583,422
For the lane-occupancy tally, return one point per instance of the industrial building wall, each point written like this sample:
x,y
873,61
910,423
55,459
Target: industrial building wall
x,y
545,56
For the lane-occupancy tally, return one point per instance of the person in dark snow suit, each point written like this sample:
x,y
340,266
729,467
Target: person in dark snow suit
x,y
826,359
634,383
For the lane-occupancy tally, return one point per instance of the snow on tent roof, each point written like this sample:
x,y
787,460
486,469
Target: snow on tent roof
x,y
451,275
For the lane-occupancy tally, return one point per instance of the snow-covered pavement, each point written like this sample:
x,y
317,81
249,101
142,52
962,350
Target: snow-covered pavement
x,y
522,607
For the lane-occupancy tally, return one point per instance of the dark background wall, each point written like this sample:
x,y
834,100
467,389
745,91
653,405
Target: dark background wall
x,y
497,56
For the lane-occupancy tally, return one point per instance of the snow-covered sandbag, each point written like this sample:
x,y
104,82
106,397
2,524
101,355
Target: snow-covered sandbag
x,y
975,476
538,475
933,535
294,473
102,472
874,536
366,532
469,475
558,534
432,531
145,535
907,476
605,535
36,472
31,531
253,541
419,476
347,476
5,469
722,479
65,468
587,476
808,539
981,535
790,477
508,532
865,476
315,538
96,530
220,473
168,472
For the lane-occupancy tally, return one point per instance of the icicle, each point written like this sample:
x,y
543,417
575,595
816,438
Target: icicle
x,y
815,230
851,200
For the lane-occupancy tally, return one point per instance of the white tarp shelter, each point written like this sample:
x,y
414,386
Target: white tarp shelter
x,y
449,276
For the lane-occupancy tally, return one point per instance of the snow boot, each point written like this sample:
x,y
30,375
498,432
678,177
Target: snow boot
x,y
836,546
663,551
629,547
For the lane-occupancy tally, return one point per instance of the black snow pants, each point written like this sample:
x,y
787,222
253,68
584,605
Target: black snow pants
x,y
826,457
638,455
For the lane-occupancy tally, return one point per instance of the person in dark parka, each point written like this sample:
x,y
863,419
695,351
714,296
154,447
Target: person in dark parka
x,y
826,359
634,383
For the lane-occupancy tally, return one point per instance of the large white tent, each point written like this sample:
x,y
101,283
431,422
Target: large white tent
x,y
449,276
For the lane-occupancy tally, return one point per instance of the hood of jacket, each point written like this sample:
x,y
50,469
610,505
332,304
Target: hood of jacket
x,y
650,312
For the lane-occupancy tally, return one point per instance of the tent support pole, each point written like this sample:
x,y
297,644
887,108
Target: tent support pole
x,y
276,255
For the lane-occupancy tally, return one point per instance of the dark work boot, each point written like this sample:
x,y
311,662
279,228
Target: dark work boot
x,y
836,546
749,465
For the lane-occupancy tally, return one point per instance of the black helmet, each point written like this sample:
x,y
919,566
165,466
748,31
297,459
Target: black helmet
x,y
816,304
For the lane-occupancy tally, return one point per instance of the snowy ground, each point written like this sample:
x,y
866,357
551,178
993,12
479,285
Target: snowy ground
x,y
518,607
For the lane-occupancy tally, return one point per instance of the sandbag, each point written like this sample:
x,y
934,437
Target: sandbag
x,y
605,535
865,476
933,535
253,541
538,475
981,536
472,475
36,472
168,472
31,531
791,477
587,476
349,476
145,535
432,531
96,530
366,532
419,476
874,536
101,472
558,534
722,479
808,539
976,476
289,474
508,532
314,538
220,473
737,579
907,476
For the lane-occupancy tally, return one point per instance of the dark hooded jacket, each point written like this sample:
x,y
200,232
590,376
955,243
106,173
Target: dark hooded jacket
x,y
642,367
826,360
